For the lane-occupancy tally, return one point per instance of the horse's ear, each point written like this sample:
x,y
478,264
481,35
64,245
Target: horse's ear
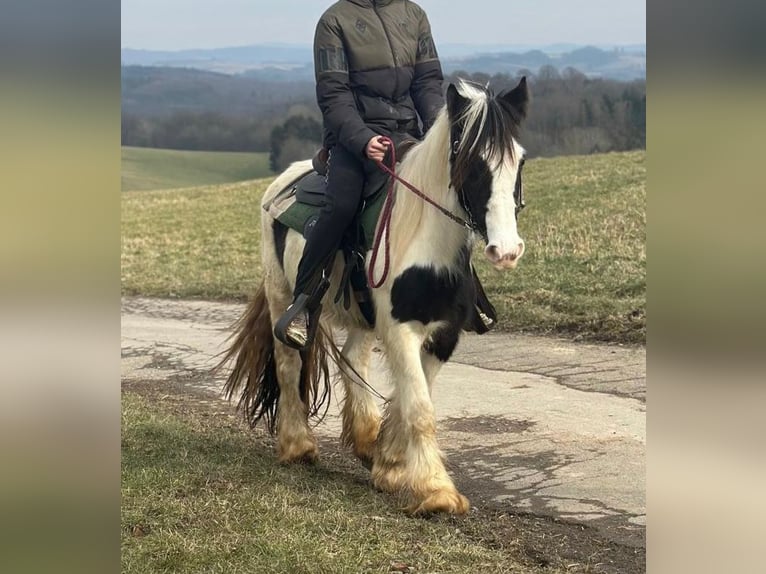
x,y
456,103
518,97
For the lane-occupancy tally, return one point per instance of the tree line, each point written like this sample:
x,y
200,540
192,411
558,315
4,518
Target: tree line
x,y
570,113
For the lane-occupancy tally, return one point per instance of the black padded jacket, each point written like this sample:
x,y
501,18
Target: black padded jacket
x,y
376,71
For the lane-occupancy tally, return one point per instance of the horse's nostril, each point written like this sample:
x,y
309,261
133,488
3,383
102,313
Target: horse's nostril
x,y
495,255
492,252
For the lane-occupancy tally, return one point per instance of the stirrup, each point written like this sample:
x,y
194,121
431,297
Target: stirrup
x,y
295,331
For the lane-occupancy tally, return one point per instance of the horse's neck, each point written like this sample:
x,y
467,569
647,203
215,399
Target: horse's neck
x,y
420,234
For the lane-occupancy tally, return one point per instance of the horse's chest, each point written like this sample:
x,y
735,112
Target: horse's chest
x,y
426,295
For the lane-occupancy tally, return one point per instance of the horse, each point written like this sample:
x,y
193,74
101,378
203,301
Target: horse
x,y
469,163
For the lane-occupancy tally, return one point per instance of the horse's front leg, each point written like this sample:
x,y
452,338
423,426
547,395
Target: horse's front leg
x,y
407,456
437,350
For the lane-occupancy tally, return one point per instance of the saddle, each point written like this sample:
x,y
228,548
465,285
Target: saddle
x,y
298,205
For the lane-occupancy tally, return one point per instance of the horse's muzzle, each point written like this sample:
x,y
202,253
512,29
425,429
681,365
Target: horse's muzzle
x,y
504,260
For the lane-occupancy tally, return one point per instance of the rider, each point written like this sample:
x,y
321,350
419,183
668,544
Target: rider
x,y
377,73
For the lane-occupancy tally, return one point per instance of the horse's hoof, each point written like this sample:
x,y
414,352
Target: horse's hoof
x,y
448,501
365,452
305,452
360,432
366,462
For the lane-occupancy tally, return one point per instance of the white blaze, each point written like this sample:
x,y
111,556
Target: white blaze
x,y
504,245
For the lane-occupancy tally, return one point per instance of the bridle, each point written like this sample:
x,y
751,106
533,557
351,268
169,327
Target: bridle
x,y
454,148
388,207
391,171
518,190
385,217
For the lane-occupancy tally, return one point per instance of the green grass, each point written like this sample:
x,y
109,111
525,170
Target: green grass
x,y
200,493
144,168
584,270
583,274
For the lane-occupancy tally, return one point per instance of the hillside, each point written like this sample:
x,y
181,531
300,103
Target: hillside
x,y
144,168
151,91
177,108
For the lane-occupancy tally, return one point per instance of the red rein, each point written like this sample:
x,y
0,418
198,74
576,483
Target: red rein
x,y
388,208
385,222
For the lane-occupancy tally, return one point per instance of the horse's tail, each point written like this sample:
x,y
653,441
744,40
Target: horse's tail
x,y
254,374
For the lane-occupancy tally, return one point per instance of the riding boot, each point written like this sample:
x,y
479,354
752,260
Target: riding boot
x,y
298,325
345,182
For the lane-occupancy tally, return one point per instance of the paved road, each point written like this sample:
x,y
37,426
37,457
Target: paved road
x,y
529,423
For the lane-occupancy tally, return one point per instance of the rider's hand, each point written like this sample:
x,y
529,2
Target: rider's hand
x,y
376,148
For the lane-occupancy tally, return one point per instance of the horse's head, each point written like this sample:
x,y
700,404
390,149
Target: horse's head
x,y
486,163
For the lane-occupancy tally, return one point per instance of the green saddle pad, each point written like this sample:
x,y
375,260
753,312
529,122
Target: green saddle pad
x,y
298,205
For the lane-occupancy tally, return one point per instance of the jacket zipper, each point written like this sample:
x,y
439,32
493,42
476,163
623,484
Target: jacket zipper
x,y
390,47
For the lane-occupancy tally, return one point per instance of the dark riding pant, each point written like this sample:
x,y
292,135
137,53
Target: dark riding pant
x,y
345,184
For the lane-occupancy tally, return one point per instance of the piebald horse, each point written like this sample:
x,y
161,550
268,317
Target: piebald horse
x,y
470,164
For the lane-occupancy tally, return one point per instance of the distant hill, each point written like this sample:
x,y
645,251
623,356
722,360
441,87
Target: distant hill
x,y
593,62
230,60
151,91
286,62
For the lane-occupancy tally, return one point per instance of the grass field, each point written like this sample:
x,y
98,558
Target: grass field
x,y
584,270
201,493
583,274
144,168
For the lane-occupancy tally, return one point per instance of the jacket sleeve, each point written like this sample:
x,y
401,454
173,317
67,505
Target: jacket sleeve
x,y
334,96
426,88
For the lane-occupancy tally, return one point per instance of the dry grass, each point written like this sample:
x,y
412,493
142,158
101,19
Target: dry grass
x,y
202,494
200,242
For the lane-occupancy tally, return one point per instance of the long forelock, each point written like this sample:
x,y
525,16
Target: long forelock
x,y
490,128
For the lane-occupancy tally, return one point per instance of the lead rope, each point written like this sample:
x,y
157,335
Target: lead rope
x,y
385,217
384,225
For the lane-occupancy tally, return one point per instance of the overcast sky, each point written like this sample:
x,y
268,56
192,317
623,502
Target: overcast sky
x,y
182,24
